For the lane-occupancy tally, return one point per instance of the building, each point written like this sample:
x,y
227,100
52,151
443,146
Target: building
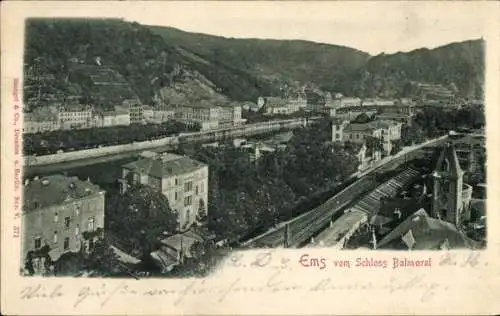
x,y
253,107
57,210
349,102
278,105
182,180
206,115
451,197
391,132
230,115
386,131
135,110
338,127
377,102
163,114
358,133
148,113
41,120
119,117
422,232
75,116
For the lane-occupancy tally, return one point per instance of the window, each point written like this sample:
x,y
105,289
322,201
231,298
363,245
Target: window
x,y
176,197
91,223
188,186
197,190
56,217
38,243
188,200
77,230
66,243
55,237
176,181
67,221
188,215
77,211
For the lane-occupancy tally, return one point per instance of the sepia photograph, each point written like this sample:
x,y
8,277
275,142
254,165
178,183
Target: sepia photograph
x,y
205,154
150,150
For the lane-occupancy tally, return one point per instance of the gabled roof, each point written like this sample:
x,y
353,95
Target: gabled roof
x,y
164,165
427,233
55,189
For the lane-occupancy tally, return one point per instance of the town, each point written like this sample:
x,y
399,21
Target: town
x,y
116,186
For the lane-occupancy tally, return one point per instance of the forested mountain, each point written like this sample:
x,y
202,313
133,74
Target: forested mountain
x,y
107,61
277,61
458,67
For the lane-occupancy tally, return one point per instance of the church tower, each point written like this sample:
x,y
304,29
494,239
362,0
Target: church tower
x,y
448,182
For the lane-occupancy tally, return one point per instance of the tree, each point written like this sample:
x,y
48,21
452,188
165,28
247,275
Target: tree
x,y
102,258
142,216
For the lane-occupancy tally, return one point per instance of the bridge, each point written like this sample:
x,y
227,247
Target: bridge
x,y
85,157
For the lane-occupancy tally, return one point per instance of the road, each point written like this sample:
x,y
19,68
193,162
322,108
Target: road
x,y
303,227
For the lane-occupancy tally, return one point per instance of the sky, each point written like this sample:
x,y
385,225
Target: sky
x,y
367,26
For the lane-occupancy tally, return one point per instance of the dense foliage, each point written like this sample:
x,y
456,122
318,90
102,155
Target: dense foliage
x,y
341,69
246,196
137,219
52,142
434,121
135,60
457,66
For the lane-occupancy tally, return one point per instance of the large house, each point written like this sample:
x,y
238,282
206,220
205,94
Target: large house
x,y
386,131
278,105
205,115
57,210
182,180
75,116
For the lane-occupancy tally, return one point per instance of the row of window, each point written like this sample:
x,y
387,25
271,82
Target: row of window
x,y
67,220
38,242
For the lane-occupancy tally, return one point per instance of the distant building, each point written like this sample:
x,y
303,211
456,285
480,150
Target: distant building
x,y
182,180
135,109
377,102
278,105
386,131
75,116
206,115
163,114
57,210
358,133
119,117
338,127
349,102
41,120
148,113
230,115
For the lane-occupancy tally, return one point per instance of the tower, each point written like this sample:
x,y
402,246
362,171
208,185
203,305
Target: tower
x,y
448,182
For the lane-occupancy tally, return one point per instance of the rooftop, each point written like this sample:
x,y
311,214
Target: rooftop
x,y
56,189
162,165
421,232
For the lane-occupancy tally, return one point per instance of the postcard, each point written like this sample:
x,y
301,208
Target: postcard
x,y
274,158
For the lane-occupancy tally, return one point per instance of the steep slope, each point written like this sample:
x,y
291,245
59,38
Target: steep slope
x,y
456,66
277,61
105,62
